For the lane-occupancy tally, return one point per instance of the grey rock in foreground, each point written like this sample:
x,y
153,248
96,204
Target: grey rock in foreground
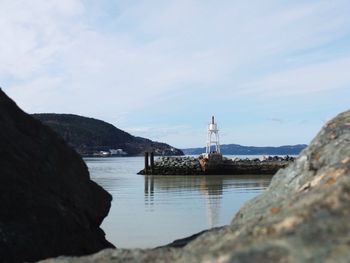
x,y
49,206
302,217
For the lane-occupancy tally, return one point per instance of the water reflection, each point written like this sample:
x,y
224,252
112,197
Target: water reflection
x,y
211,188
155,210
149,192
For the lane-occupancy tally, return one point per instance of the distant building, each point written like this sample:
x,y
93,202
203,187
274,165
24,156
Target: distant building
x,y
103,153
117,152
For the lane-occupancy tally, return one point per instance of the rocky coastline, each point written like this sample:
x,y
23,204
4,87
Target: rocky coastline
x,y
51,210
303,216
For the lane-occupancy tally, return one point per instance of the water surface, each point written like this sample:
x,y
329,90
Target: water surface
x,y
149,211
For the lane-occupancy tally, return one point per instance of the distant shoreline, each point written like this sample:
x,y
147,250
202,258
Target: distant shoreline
x,y
236,149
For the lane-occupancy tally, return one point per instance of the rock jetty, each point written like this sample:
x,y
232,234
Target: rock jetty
x,y
175,166
201,165
49,206
302,217
265,165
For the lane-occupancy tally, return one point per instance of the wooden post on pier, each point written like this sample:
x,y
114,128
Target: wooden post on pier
x,y
152,162
146,162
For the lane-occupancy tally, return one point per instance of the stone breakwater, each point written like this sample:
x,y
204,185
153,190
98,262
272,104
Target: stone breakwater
x,y
264,165
175,166
265,159
200,165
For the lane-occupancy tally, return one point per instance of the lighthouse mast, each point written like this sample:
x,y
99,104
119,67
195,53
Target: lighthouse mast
x,y
213,137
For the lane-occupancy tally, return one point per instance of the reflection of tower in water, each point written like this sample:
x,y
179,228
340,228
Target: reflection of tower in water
x,y
211,187
149,190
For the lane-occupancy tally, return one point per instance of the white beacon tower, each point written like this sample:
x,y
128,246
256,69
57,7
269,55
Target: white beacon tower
x,y
213,137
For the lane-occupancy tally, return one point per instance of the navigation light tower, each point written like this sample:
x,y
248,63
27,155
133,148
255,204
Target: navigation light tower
x,y
213,137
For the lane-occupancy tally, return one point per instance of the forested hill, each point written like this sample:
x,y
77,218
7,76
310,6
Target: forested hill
x,y
93,137
236,149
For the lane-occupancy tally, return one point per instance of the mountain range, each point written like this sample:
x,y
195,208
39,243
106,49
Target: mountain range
x,y
92,137
236,149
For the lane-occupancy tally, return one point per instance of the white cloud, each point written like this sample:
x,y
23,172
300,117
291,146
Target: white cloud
x,y
305,80
146,56
33,32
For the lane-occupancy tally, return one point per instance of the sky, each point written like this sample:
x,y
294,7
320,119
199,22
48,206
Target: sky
x,y
272,72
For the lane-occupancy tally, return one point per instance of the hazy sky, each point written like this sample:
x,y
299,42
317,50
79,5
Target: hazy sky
x,y
272,71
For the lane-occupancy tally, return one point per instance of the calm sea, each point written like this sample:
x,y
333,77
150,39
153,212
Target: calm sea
x,y
149,211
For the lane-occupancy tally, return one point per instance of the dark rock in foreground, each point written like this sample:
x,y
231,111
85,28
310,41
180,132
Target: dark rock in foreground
x,y
302,217
49,206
